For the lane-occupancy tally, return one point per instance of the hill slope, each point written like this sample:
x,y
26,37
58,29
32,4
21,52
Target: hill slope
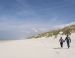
x,y
66,30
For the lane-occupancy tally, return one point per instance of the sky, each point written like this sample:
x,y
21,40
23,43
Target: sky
x,y
22,18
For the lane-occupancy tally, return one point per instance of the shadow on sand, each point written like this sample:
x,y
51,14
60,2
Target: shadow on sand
x,y
60,48
57,48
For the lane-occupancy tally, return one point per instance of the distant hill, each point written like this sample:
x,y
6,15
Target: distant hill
x,y
66,30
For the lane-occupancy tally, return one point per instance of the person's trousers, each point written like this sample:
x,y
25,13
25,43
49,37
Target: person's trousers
x,y
61,44
68,44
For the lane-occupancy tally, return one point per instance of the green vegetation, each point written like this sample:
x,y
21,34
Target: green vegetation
x,y
65,31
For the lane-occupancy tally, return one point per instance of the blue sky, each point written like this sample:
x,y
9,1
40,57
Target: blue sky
x,y
20,18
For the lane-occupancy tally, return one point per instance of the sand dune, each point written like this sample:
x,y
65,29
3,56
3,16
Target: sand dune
x,y
36,48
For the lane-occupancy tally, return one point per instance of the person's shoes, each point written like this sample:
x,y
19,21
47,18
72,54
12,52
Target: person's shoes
x,y
68,47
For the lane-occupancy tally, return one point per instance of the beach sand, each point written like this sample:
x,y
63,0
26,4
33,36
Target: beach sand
x,y
36,48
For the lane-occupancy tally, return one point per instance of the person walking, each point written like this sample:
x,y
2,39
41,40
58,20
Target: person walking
x,y
68,41
61,42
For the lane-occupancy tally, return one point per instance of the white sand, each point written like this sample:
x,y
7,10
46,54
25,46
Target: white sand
x,y
36,48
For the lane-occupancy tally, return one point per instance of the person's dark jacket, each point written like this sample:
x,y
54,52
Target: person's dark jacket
x,y
67,39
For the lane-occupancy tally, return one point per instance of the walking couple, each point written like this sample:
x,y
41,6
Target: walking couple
x,y
67,40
